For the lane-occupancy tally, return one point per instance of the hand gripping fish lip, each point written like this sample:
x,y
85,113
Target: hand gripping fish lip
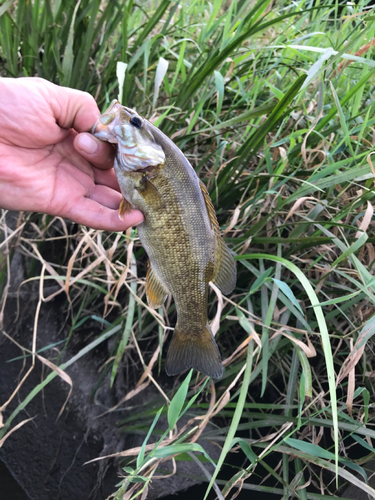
x,y
137,148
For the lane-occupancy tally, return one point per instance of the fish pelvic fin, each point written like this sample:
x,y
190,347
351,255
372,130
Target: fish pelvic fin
x,y
156,291
225,274
197,351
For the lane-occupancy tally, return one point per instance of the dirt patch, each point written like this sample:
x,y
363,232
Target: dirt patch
x,y
46,455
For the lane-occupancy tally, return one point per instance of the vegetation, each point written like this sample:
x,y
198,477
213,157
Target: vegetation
x,y
273,103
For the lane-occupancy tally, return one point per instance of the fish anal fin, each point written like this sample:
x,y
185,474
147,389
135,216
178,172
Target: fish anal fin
x,y
225,274
197,351
156,291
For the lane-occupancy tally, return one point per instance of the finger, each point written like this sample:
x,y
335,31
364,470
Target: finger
x,y
92,214
99,153
106,178
74,108
106,196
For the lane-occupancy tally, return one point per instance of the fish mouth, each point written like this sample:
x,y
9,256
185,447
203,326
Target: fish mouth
x,y
136,145
104,127
104,135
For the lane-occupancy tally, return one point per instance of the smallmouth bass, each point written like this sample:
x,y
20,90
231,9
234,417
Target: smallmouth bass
x,y
180,233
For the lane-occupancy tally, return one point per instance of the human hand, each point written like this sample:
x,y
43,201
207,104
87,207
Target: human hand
x,y
49,164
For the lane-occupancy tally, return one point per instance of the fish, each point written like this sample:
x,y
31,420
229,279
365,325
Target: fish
x,y
180,233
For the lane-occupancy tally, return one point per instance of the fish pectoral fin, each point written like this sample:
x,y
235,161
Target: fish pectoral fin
x,y
150,192
225,274
124,208
197,351
156,291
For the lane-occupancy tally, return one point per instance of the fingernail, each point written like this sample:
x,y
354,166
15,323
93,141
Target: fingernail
x,y
123,219
87,144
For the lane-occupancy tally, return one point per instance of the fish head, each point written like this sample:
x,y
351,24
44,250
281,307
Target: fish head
x,y
136,145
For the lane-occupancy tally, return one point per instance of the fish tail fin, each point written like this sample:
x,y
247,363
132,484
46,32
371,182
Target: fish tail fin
x,y
197,351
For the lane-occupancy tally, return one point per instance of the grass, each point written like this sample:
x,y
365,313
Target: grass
x,y
273,104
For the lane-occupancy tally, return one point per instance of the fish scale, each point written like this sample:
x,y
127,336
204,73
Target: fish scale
x,y
180,233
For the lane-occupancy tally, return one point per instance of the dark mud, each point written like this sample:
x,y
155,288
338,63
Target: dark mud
x,y
46,455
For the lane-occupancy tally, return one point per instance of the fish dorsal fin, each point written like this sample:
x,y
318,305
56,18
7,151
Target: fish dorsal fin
x,y
156,291
210,209
225,268
225,274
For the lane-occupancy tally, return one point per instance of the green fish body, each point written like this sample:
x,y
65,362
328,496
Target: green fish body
x,y
180,233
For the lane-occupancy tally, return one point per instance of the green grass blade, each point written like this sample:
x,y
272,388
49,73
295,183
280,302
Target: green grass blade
x,y
323,332
68,58
178,402
142,451
236,417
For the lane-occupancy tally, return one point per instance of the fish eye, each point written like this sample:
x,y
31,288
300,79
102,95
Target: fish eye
x,y
136,121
